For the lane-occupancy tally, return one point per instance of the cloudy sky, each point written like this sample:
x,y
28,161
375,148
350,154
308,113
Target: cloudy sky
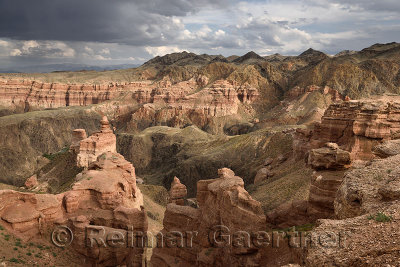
x,y
108,32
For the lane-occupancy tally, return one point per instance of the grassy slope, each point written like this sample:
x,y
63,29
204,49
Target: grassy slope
x,y
160,153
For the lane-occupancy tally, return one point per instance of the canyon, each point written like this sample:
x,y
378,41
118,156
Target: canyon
x,y
280,145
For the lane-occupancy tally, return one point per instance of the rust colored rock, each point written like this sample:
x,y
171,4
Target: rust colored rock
x,y
96,144
358,126
181,104
329,157
178,192
106,196
77,136
31,182
367,212
220,201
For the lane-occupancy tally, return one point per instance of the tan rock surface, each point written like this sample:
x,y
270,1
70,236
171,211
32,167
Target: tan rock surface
x,y
31,182
96,144
178,192
329,157
221,201
359,125
105,195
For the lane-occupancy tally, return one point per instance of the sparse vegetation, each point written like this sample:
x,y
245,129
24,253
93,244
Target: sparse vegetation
x,y
152,216
380,217
54,155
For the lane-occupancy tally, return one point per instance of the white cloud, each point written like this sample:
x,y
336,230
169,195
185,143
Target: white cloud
x,y
28,45
105,51
89,50
162,50
4,43
220,33
15,53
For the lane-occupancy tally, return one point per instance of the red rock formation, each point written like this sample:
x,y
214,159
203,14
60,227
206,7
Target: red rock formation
x,y
31,182
77,136
170,104
178,192
329,157
330,163
106,196
358,126
298,91
222,201
222,98
32,94
93,146
367,212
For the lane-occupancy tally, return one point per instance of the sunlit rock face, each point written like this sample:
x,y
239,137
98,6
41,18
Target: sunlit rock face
x,y
221,201
93,146
359,125
104,195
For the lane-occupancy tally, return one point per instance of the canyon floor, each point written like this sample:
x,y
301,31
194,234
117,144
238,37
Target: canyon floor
x,y
293,145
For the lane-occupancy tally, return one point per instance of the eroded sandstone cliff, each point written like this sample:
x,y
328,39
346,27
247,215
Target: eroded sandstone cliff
x,y
104,195
221,201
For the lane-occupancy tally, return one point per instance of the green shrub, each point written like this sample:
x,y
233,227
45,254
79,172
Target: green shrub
x,y
14,260
380,217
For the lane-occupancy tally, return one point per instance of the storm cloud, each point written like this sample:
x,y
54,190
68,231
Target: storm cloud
x,y
132,31
134,22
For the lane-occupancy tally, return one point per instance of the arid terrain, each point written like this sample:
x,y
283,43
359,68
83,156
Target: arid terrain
x,y
299,153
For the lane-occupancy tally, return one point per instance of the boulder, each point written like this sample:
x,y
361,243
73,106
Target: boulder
x,y
31,182
262,175
387,149
329,157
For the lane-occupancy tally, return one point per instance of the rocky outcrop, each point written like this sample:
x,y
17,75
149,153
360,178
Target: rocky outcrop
x,y
329,163
105,195
329,157
359,125
387,149
178,192
367,208
31,182
298,91
221,99
222,201
93,146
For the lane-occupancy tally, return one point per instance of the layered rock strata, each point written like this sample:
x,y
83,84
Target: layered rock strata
x,y
330,163
358,126
104,195
367,208
222,201
90,148
34,95
178,192
221,99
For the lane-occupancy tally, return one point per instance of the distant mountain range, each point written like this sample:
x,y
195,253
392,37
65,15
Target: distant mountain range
x,y
65,67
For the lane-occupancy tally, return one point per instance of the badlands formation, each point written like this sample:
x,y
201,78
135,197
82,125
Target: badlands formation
x,y
239,161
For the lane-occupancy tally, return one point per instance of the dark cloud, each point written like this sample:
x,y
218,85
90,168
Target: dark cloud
x,y
134,22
